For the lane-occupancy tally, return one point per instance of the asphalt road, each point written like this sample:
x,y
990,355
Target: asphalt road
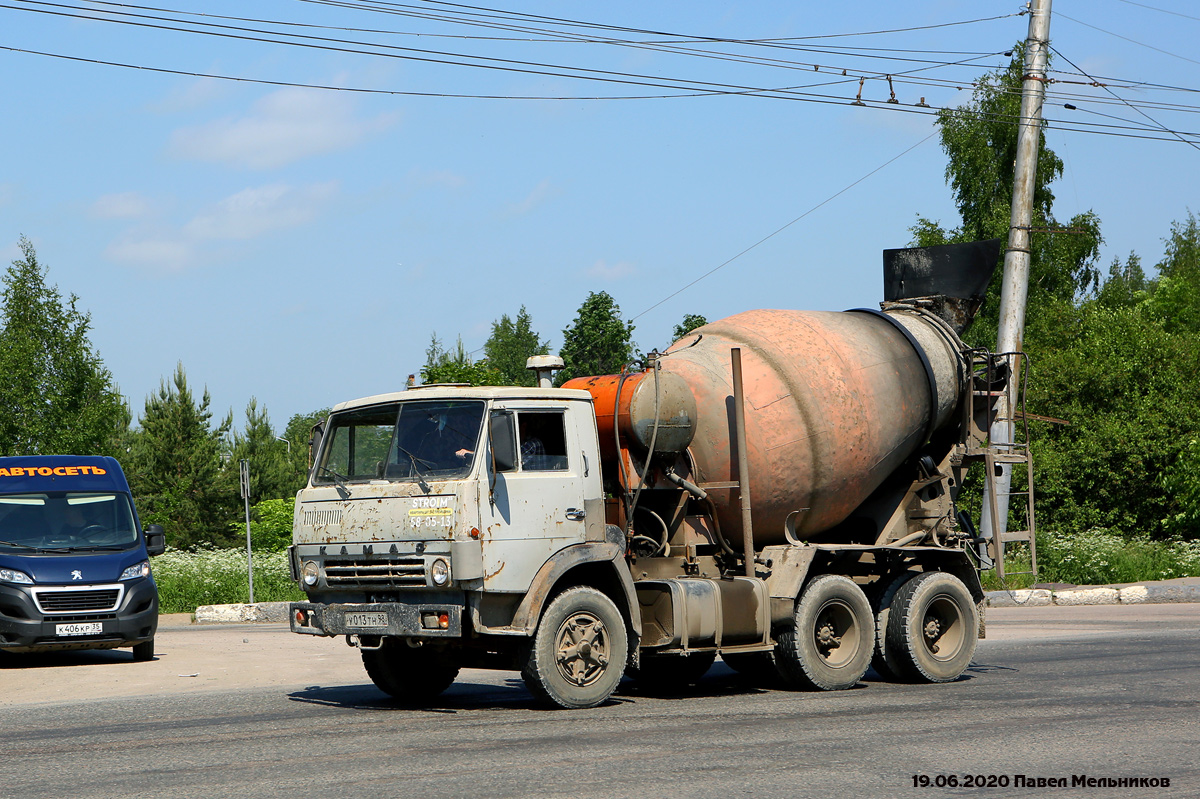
x,y
254,711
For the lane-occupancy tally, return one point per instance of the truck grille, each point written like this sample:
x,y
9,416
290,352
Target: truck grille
x,y
78,601
322,516
393,572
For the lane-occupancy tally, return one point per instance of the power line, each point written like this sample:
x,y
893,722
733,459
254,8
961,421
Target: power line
x,y
779,230
1127,39
776,94
1147,116
1161,10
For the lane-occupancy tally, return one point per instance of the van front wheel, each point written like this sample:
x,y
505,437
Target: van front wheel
x,y
143,651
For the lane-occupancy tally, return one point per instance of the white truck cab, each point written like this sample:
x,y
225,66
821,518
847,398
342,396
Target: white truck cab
x,y
444,515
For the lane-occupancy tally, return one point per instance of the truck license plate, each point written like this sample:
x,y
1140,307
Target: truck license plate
x,y
84,628
366,620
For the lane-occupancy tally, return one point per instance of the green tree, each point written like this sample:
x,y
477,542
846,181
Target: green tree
x,y
299,434
270,525
598,342
1127,386
690,322
510,346
1175,296
56,397
442,366
176,468
1126,285
270,472
980,141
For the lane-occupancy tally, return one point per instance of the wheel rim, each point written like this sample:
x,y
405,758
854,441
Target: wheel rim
x,y
835,634
582,649
943,630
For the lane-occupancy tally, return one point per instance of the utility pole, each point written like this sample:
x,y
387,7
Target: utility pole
x,y
1015,288
244,479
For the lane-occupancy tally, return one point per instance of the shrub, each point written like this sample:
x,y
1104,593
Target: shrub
x,y
204,575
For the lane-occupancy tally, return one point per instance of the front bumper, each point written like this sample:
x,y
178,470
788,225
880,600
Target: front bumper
x,y
25,628
410,619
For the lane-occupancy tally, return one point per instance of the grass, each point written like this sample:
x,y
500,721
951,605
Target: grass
x,y
208,576
1100,557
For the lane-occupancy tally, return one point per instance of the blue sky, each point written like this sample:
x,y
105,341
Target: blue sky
x,y
301,245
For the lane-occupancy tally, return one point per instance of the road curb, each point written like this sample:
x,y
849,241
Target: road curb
x,y
1144,594
258,613
1147,594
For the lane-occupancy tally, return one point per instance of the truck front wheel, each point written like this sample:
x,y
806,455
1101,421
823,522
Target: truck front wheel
x,y
932,628
578,653
829,644
411,675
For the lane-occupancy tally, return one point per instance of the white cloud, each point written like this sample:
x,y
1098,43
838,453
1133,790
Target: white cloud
x,y
126,205
248,214
439,178
541,192
283,127
252,212
602,271
194,95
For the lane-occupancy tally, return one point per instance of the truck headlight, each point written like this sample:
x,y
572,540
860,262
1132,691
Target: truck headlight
x,y
14,576
136,570
439,571
310,572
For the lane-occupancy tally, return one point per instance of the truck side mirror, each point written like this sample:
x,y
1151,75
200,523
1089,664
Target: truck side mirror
x,y
503,436
156,540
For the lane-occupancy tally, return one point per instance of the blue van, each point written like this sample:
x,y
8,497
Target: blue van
x,y
74,561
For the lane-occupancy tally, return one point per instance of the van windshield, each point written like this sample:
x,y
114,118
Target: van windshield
x,y
66,522
414,440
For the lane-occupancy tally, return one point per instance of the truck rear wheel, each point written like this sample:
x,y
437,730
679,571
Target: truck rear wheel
x,y
412,675
932,628
829,644
884,659
579,650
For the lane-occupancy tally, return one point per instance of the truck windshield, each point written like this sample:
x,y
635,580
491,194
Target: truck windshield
x,y
66,522
414,440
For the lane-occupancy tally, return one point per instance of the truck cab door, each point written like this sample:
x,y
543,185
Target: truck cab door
x,y
544,490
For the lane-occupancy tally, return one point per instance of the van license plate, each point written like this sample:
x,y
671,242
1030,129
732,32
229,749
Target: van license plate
x,y
85,628
366,620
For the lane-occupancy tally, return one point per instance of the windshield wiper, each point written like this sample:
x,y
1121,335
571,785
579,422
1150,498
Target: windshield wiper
x,y
339,482
15,544
416,464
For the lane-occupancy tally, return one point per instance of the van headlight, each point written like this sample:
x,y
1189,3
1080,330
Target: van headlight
x,y
135,571
14,576
439,572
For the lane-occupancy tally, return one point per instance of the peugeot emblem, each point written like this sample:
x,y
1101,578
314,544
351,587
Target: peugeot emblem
x,y
77,575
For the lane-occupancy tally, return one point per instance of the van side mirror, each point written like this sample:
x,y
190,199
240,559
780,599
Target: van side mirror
x,y
504,441
156,540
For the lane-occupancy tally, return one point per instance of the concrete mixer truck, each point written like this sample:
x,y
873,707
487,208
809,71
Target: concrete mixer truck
x,y
776,488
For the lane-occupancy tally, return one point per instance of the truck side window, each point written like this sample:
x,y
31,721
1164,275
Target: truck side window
x,y
543,441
